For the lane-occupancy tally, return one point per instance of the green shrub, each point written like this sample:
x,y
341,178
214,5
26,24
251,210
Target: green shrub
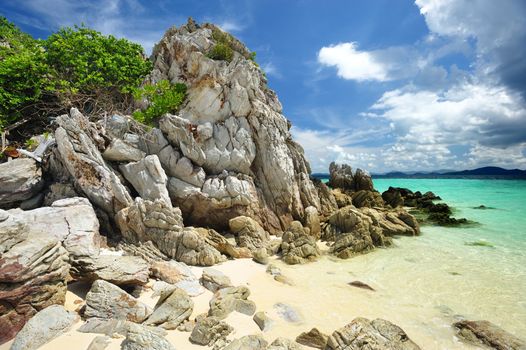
x,y
86,60
24,72
221,51
163,98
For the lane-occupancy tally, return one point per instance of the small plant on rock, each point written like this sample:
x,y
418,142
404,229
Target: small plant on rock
x,y
163,98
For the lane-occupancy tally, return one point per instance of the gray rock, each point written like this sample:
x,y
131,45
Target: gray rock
x,y
33,202
59,191
248,233
263,321
488,334
171,310
162,224
312,221
43,327
140,338
33,273
147,176
313,338
105,300
247,307
288,313
116,269
284,344
231,122
78,143
20,180
230,299
213,279
120,151
209,331
248,342
378,334
341,176
297,247
177,274
100,342
261,256
273,270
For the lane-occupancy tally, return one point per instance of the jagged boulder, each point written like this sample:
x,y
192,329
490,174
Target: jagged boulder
x,y
20,179
378,334
297,247
107,301
226,300
210,331
312,222
355,231
46,325
342,176
369,199
162,224
33,272
171,309
229,152
248,233
488,334
79,143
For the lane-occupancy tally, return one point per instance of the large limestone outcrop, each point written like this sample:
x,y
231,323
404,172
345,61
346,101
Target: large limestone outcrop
x,y
33,272
229,152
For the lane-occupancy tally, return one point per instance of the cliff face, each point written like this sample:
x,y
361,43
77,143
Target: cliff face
x,y
229,152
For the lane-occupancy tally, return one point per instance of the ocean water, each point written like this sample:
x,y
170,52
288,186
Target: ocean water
x,y
425,284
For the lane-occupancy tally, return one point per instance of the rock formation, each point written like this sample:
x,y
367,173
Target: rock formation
x,y
229,152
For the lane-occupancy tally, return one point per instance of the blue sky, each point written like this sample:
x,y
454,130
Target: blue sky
x,y
379,84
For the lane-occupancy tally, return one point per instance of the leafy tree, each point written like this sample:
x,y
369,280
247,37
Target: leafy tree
x,y
163,98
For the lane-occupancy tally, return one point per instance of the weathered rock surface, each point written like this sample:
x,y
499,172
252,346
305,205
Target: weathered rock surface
x,y
248,342
230,299
148,178
107,301
140,338
297,247
313,338
362,333
171,310
100,342
177,274
234,145
116,269
248,233
214,280
20,179
46,325
162,224
120,151
312,222
113,327
262,320
261,256
284,344
33,272
486,333
210,331
369,199
79,143
341,176
357,231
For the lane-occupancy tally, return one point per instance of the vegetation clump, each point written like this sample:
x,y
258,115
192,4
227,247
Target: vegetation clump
x,y
162,97
74,67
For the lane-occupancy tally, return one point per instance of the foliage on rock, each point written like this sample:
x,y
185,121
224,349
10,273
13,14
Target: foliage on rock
x,y
163,98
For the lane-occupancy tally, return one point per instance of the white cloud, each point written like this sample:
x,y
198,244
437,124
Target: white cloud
x,y
230,26
353,64
270,69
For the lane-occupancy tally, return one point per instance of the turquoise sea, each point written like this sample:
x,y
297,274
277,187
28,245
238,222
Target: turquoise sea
x,y
426,283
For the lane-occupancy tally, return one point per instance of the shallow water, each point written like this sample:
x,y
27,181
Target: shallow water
x,y
425,284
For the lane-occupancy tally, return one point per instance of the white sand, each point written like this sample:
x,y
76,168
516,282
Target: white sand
x,y
321,295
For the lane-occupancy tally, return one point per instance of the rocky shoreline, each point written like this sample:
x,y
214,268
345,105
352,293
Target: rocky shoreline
x,y
126,209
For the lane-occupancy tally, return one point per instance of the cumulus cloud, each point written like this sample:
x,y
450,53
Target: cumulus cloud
x,y
353,64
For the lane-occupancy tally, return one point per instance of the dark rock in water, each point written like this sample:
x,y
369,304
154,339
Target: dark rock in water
x,y
362,333
443,219
480,243
313,338
485,332
359,284
393,197
483,207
